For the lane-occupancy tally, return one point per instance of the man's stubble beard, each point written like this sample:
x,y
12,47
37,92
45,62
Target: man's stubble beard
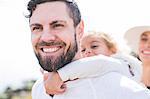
x,y
53,63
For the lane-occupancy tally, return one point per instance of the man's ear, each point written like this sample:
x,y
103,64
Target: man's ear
x,y
80,29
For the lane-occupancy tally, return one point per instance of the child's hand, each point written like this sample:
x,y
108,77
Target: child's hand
x,y
53,83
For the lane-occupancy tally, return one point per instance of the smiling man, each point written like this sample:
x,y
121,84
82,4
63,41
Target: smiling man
x,y
54,35
56,28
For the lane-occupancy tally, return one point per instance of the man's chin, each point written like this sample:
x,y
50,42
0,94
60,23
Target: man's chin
x,y
51,63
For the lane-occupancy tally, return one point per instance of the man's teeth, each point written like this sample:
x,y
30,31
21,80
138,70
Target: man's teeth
x,y
49,50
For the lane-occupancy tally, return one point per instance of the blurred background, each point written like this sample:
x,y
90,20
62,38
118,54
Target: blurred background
x,y
18,66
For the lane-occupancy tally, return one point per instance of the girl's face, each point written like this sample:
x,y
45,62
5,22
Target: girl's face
x,y
144,47
93,45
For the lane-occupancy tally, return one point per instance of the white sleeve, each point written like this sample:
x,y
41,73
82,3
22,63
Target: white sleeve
x,y
90,67
38,91
136,65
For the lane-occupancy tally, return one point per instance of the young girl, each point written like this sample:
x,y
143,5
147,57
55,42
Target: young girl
x,y
97,45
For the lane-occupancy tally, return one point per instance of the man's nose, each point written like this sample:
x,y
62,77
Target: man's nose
x,y
48,35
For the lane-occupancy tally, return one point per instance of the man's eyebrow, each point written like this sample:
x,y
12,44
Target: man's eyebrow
x,y
52,23
35,25
57,21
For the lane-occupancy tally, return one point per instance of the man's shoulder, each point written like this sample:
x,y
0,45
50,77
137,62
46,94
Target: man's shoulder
x,y
38,85
38,90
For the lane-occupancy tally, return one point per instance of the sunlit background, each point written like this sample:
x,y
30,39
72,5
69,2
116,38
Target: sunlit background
x,y
17,60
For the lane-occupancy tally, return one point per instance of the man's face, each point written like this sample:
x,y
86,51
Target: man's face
x,y
53,35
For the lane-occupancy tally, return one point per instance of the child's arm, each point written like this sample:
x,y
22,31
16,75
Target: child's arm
x,y
89,67
53,83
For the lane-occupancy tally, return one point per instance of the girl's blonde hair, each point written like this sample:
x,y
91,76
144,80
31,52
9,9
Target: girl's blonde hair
x,y
109,41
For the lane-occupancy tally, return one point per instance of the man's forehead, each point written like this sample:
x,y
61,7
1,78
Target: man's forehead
x,y
51,7
53,11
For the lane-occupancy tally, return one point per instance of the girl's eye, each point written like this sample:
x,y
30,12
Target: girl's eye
x,y
83,50
94,46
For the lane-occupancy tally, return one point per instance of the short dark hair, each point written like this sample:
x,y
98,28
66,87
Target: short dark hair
x,y
74,11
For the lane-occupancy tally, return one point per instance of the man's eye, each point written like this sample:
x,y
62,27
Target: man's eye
x,y
58,26
36,28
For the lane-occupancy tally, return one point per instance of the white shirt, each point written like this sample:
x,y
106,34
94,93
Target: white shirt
x,y
101,79
109,86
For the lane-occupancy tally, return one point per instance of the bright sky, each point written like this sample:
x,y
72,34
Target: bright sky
x,y
17,60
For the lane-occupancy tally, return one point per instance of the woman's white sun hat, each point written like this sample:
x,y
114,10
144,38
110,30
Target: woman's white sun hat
x,y
132,36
